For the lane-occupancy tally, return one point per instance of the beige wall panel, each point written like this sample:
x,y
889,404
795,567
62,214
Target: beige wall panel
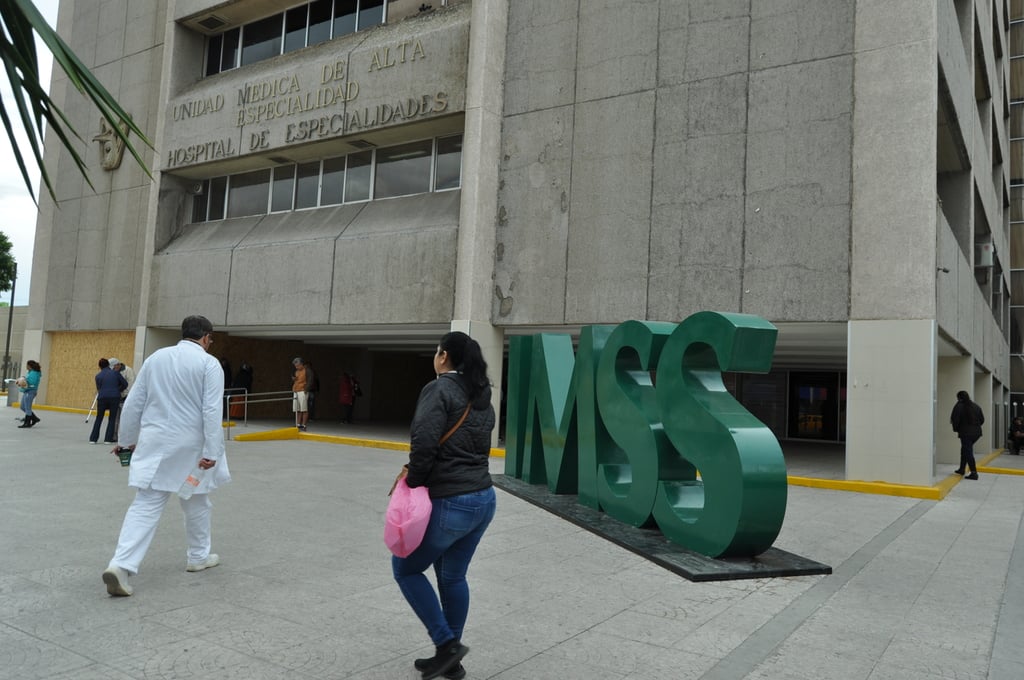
x,y
73,363
408,277
189,283
287,282
609,213
533,218
629,63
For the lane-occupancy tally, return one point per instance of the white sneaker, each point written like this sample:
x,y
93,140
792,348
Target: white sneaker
x,y
116,579
211,561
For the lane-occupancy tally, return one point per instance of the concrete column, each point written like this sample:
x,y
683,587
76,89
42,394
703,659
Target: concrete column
x,y
982,394
890,401
481,149
954,374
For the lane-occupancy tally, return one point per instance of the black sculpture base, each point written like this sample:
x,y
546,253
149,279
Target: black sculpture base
x,y
652,545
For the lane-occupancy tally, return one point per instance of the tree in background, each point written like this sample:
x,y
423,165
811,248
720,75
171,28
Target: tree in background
x,y
20,19
8,267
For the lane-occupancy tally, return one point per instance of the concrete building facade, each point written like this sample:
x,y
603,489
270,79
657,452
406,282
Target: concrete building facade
x,y
349,179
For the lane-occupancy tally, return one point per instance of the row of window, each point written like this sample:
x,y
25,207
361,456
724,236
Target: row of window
x,y
291,30
411,168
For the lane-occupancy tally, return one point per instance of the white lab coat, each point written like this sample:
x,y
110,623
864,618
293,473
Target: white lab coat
x,y
173,416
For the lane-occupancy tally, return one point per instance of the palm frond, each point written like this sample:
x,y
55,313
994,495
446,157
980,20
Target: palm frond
x,y
36,111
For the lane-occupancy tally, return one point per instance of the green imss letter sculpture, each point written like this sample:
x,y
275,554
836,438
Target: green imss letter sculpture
x,y
676,451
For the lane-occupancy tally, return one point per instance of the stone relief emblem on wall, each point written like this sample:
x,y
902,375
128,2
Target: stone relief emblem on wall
x,y
111,146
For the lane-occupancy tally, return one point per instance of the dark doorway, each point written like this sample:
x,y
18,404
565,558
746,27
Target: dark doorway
x,y
817,406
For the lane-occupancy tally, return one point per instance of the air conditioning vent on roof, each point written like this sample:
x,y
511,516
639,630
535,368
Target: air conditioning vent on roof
x,y
212,23
362,144
280,159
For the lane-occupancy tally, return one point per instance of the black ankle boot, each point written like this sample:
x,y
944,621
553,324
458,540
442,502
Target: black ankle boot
x,y
456,672
447,658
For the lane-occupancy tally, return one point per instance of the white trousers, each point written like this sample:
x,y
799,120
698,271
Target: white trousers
x,y
140,522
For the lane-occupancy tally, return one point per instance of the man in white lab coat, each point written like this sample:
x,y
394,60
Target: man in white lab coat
x,y
172,421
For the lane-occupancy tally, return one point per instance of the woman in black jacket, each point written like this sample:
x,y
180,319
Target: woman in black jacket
x,y
967,420
456,404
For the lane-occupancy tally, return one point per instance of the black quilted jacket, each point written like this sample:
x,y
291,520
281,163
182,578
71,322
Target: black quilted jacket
x,y
460,465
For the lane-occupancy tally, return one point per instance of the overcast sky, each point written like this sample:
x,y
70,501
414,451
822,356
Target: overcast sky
x,y
18,211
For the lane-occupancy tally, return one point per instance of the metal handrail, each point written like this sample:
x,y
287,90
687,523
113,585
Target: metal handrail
x,y
247,398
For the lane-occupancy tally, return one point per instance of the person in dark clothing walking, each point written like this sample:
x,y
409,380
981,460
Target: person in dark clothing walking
x,y
109,385
455,407
967,420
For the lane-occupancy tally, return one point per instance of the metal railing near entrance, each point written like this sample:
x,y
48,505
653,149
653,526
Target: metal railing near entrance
x,y
235,397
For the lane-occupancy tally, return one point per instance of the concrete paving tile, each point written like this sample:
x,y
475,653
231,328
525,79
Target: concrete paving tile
x,y
331,657
112,642
939,661
795,663
884,671
725,632
836,635
623,656
94,672
555,666
20,595
235,627
1006,669
27,657
195,658
651,630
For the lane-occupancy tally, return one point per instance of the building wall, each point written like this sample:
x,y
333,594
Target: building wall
x,y
700,160
819,165
93,239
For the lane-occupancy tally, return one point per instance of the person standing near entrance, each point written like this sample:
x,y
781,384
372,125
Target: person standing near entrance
x,y
172,423
300,402
109,385
967,419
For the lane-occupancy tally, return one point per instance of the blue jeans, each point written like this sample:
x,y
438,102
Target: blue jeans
x,y
26,400
967,453
456,526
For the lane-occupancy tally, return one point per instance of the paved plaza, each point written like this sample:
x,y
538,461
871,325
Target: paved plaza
x,y
920,589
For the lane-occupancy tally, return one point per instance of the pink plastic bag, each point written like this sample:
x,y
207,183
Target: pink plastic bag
x,y
406,519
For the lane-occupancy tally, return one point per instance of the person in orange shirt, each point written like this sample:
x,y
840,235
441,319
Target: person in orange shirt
x,y
300,402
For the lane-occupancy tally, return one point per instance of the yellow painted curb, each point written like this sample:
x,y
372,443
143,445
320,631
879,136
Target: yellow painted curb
x,y
268,435
1000,471
933,493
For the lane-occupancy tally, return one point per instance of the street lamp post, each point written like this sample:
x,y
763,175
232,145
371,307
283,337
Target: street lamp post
x,y
10,324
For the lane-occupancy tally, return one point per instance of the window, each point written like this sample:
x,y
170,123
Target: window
x,y
371,13
218,194
320,16
333,184
261,39
345,12
229,55
308,185
448,163
213,48
248,193
358,176
387,172
403,170
295,22
201,202
283,189
308,24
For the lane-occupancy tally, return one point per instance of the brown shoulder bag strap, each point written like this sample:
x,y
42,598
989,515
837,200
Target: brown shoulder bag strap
x,y
456,426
